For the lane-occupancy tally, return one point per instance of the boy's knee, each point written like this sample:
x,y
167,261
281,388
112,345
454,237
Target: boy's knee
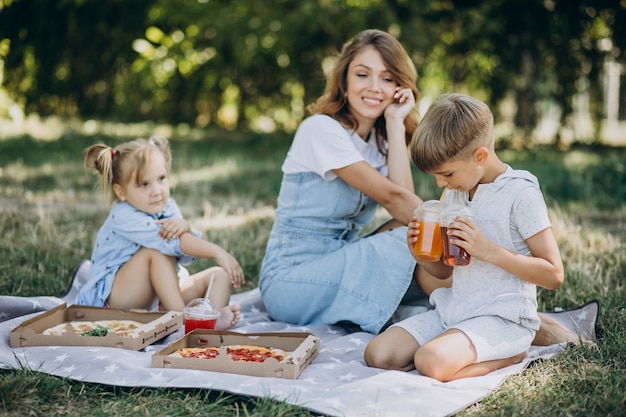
x,y
378,355
429,364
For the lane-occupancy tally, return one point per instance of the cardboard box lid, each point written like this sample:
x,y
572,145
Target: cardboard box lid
x,y
156,326
303,347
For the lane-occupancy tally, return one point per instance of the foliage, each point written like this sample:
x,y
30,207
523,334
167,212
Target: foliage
x,y
255,65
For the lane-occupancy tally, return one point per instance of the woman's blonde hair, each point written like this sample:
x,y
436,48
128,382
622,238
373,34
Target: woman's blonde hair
x,y
454,126
333,101
118,165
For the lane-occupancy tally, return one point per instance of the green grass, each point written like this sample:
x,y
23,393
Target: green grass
x,y
226,184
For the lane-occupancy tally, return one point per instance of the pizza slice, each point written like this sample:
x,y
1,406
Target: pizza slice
x,y
123,328
253,353
236,353
197,352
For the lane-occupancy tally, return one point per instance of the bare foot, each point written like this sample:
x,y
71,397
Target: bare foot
x,y
229,316
552,332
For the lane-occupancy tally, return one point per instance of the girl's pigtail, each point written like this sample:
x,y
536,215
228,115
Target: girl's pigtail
x,y
100,158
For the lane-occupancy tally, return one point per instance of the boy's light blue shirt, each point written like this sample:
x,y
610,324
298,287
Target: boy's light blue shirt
x,y
124,232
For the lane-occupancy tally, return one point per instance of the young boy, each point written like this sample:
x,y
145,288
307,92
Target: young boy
x,y
488,318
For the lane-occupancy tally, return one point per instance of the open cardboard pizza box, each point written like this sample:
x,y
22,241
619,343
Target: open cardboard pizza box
x,y
302,347
156,326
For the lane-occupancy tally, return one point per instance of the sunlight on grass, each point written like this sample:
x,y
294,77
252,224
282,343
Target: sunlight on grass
x,y
573,236
221,169
220,219
577,160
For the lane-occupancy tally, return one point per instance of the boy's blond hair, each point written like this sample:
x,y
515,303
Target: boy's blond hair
x,y
453,127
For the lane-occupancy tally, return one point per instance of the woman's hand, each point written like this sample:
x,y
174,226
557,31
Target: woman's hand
x,y
404,102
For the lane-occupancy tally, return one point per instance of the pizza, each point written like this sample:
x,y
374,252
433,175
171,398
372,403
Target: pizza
x,y
198,353
98,328
236,353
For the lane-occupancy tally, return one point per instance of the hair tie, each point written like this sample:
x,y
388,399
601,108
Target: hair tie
x,y
113,152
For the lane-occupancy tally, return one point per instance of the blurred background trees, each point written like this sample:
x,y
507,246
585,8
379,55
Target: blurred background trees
x,y
254,65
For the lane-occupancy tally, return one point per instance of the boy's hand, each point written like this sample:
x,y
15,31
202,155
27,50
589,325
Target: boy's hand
x,y
412,233
173,227
466,235
231,266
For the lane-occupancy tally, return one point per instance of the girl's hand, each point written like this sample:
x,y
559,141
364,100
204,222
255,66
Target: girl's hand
x,y
232,268
404,102
173,227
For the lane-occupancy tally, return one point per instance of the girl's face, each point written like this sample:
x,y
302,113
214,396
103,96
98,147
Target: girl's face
x,y
151,192
370,89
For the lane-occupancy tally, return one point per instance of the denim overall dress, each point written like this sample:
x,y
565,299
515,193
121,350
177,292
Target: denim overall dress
x,y
317,270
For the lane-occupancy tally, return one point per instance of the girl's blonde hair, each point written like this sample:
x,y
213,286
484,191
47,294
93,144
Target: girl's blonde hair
x,y
334,103
118,165
454,126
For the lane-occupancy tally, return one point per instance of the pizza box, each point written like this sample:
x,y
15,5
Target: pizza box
x,y
156,326
303,348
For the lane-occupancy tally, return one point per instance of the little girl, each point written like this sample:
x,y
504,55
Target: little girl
x,y
144,240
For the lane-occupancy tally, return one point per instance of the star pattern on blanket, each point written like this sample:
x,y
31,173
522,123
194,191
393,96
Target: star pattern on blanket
x,y
337,383
111,368
70,369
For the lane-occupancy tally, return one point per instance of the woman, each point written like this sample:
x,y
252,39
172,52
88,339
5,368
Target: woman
x,y
347,158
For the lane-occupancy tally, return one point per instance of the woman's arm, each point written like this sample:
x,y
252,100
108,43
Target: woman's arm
x,y
396,199
398,165
396,192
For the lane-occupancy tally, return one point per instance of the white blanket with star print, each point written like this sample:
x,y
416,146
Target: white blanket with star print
x,y
337,383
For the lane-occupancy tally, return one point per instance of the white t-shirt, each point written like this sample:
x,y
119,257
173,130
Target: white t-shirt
x,y
322,144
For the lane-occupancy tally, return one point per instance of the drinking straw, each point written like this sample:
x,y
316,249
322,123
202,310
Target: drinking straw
x,y
443,195
208,290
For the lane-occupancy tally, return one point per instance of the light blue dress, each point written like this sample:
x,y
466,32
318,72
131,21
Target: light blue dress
x,y
124,232
317,270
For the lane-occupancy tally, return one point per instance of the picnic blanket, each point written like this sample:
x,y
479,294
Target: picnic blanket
x,y
337,383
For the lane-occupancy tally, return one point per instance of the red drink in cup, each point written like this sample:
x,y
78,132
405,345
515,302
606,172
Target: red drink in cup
x,y
200,314
193,324
453,255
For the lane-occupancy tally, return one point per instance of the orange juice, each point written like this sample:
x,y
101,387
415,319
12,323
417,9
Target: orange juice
x,y
428,245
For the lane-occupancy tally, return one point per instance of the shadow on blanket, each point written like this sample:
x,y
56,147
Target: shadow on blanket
x,y
337,383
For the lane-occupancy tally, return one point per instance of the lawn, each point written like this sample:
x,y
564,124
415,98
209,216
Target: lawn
x,y
226,184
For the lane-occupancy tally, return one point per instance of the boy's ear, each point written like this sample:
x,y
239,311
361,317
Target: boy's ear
x,y
480,155
119,192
